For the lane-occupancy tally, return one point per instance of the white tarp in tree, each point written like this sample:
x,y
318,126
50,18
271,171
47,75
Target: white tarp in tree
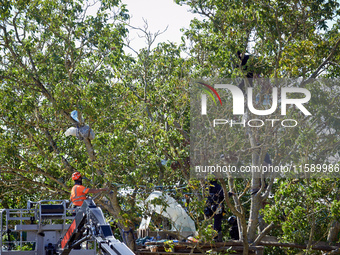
x,y
79,132
180,220
82,132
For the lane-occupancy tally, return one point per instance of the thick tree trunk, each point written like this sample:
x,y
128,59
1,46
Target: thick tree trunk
x,y
114,209
254,213
333,232
239,213
256,199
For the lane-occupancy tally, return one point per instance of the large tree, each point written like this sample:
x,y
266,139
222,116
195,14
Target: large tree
x,y
63,67
57,58
285,40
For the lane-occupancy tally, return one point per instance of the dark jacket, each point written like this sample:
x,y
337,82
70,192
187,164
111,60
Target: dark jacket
x,y
214,199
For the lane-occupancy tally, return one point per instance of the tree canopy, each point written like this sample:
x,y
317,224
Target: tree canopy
x,y
61,68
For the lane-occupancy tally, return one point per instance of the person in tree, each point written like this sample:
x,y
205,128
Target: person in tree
x,y
79,192
215,207
233,230
250,74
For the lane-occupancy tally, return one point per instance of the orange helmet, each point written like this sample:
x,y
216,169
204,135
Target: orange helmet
x,y
76,176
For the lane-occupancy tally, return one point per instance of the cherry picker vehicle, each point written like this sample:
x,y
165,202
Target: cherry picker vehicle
x,y
44,228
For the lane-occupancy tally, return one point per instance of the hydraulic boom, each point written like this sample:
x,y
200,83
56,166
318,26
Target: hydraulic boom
x,y
89,223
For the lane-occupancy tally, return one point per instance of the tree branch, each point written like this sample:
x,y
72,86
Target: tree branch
x,y
44,173
263,233
326,61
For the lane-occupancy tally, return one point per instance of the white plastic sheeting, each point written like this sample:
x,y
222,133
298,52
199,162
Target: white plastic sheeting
x,y
82,132
71,131
79,132
180,220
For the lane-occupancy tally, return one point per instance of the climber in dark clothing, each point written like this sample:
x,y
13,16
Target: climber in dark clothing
x,y
215,207
267,159
250,74
233,231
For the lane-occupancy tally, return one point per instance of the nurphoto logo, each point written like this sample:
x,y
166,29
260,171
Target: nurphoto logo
x,y
264,127
238,100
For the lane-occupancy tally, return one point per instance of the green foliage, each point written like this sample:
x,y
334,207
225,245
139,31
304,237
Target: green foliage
x,y
50,66
335,210
169,246
299,204
55,59
285,40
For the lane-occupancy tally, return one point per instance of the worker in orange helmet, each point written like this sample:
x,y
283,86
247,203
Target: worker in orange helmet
x,y
79,192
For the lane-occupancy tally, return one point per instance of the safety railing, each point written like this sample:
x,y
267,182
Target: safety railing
x,y
37,217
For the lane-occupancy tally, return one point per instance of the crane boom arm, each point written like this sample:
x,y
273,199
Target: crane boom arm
x,y
89,223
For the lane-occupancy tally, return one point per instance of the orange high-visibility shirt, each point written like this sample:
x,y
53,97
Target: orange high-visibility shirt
x,y
78,194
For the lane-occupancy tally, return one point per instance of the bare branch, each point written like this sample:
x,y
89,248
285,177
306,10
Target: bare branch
x,y
180,129
334,64
326,61
42,172
263,233
17,172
